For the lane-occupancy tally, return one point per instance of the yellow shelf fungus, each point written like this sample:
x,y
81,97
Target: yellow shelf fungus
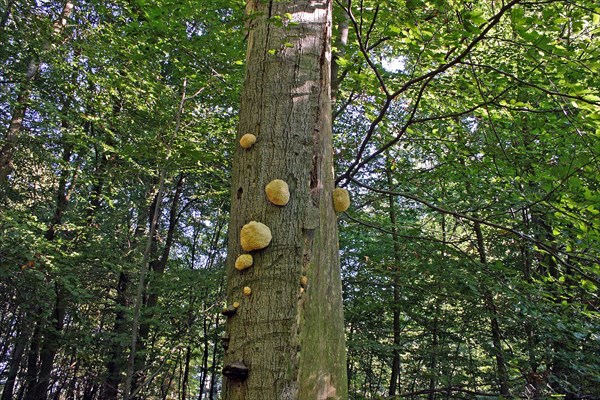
x,y
341,199
304,280
247,291
247,140
255,236
236,304
229,311
243,261
278,192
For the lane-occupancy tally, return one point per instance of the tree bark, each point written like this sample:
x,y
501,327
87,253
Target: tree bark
x,y
186,372
138,300
204,369
140,329
215,362
290,337
528,325
340,45
31,376
51,332
433,360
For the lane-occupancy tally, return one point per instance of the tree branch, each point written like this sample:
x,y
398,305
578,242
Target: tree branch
x,y
550,250
517,79
352,169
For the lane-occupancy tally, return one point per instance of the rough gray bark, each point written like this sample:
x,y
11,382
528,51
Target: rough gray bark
x,y
291,338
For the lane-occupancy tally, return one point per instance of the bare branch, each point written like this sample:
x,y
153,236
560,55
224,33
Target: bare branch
x,y
517,79
357,164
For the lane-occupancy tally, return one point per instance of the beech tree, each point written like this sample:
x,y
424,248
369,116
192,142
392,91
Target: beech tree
x,y
285,340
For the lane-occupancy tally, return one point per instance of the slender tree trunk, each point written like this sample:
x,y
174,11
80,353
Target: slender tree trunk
x,y
204,370
395,373
115,364
62,195
47,340
157,267
16,357
340,44
495,326
434,353
138,327
186,372
528,325
90,390
435,339
18,113
135,325
50,344
31,377
215,362
349,365
289,337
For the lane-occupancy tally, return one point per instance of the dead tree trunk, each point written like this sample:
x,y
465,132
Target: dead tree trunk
x,y
287,336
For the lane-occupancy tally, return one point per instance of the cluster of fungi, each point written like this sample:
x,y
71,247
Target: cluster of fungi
x,y
256,236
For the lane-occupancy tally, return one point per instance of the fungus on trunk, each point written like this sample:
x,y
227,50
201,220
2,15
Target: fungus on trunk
x,y
341,199
278,192
247,140
255,236
243,261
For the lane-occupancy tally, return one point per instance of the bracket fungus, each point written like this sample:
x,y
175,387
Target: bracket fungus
x,y
255,236
247,140
341,199
278,192
243,261
303,280
229,311
236,371
247,291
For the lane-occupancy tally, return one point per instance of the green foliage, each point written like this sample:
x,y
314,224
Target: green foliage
x,y
471,128
105,118
453,116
